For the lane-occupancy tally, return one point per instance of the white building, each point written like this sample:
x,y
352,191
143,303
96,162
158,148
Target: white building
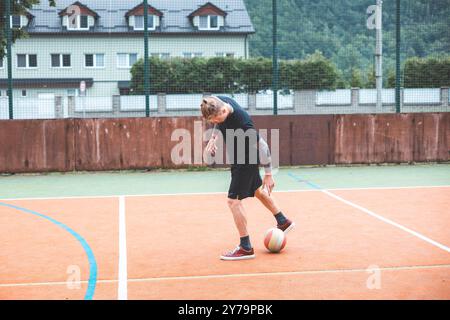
x,y
97,41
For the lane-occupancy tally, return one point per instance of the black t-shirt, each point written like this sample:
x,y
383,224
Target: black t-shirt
x,y
245,149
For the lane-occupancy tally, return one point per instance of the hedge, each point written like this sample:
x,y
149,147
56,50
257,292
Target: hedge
x,y
230,75
431,72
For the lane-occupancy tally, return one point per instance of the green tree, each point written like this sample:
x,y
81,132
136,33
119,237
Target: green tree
x,y
356,80
338,30
431,72
371,78
391,79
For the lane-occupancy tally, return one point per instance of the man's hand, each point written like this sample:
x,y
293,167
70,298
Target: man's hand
x,y
211,146
268,183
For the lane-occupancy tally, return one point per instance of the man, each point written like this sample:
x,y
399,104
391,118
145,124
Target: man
x,y
237,127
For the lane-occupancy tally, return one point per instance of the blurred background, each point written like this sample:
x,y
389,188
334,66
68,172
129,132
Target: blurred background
x,y
97,58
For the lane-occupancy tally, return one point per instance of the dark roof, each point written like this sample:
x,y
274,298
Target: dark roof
x,y
29,15
210,7
82,7
112,16
48,82
140,7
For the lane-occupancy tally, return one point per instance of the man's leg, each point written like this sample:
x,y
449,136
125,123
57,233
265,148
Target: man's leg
x,y
244,250
282,222
267,201
240,220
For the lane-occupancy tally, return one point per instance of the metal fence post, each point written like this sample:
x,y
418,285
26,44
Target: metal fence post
x,y
379,55
275,56
397,60
146,64
9,55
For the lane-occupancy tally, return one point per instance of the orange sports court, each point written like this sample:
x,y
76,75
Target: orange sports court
x,y
98,236
116,185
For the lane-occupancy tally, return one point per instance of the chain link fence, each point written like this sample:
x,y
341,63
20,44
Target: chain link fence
x,y
133,58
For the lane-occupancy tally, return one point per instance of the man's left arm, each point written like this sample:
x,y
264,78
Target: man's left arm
x,y
266,162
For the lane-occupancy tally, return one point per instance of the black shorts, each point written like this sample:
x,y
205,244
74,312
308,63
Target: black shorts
x,y
245,180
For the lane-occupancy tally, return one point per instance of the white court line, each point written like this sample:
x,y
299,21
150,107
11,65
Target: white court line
x,y
386,220
123,274
237,275
214,193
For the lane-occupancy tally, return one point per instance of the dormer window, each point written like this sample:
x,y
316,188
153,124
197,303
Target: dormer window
x,y
16,21
78,17
139,22
80,22
209,23
19,21
135,18
208,17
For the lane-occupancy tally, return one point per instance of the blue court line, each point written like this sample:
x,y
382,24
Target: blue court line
x,y
92,263
309,183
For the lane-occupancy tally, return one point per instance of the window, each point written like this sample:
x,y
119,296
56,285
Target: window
x,y
16,21
73,92
61,61
94,61
99,60
24,93
213,22
208,23
192,54
1,63
21,60
89,60
203,22
56,60
225,54
27,61
126,60
78,22
163,55
139,22
32,61
66,61
84,22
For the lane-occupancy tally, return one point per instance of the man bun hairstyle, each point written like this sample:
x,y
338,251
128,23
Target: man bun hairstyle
x,y
211,106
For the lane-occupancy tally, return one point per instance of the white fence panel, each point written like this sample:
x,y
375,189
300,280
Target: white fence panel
x,y
183,101
265,101
46,106
93,104
4,109
422,96
337,97
137,103
29,108
369,96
